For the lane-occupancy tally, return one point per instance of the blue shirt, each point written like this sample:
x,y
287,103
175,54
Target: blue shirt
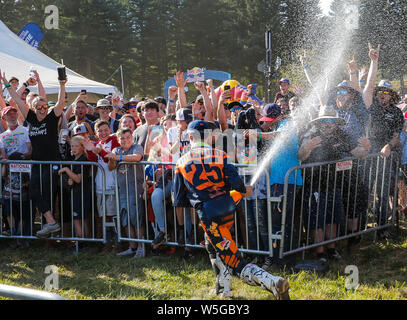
x,y
286,156
356,118
403,144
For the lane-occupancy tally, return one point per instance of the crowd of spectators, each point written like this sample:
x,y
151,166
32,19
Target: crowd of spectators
x,y
354,119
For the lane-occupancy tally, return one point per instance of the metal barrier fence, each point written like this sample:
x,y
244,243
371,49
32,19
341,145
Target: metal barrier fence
x,y
339,200
277,220
29,188
144,198
27,294
253,221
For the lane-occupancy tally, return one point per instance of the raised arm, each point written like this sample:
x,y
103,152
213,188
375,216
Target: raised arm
x,y
352,66
40,87
116,103
372,75
13,94
2,102
200,86
69,112
306,66
181,83
221,110
213,97
362,79
172,93
61,98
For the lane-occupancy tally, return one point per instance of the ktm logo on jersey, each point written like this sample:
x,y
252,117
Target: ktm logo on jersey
x,y
214,230
224,244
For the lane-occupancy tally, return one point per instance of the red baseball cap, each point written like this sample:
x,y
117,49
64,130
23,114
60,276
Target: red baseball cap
x,y
6,110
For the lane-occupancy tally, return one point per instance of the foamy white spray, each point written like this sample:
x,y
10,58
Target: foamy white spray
x,y
337,42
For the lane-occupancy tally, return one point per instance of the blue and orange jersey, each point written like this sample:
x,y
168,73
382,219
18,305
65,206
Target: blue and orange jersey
x,y
202,174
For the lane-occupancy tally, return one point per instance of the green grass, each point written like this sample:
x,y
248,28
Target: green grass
x,y
94,275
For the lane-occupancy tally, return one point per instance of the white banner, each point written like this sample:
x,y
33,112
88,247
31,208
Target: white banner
x,y
344,165
19,167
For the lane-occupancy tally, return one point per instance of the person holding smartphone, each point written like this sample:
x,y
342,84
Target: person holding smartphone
x,y
44,140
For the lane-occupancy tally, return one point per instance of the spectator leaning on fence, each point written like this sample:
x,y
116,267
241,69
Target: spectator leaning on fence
x,y
15,144
141,134
130,180
384,127
325,141
44,139
287,131
79,180
15,201
96,152
353,103
163,180
178,140
15,138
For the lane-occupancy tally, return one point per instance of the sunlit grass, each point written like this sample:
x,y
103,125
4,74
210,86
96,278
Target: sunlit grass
x,y
92,275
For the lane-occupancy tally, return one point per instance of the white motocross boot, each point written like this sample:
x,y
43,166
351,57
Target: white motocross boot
x,y
254,275
222,277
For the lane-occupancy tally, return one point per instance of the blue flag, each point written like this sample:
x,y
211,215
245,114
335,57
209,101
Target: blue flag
x,y
31,34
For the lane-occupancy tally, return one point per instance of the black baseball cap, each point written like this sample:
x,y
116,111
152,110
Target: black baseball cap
x,y
160,100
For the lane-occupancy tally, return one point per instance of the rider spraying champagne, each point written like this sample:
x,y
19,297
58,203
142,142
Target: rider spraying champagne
x,y
204,178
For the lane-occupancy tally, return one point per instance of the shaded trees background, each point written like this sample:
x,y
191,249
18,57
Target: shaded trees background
x,y
153,39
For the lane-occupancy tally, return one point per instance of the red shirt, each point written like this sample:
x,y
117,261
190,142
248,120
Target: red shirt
x,y
107,146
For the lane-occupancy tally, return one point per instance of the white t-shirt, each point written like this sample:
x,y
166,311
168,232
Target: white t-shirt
x,y
15,140
108,146
185,144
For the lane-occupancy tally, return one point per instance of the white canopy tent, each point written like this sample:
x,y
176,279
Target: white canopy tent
x,y
16,58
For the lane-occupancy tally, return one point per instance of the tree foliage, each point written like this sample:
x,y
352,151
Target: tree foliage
x,y
155,38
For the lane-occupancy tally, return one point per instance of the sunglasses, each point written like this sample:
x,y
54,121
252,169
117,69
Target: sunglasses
x,y
236,109
104,108
325,121
200,102
45,106
342,92
383,92
133,106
